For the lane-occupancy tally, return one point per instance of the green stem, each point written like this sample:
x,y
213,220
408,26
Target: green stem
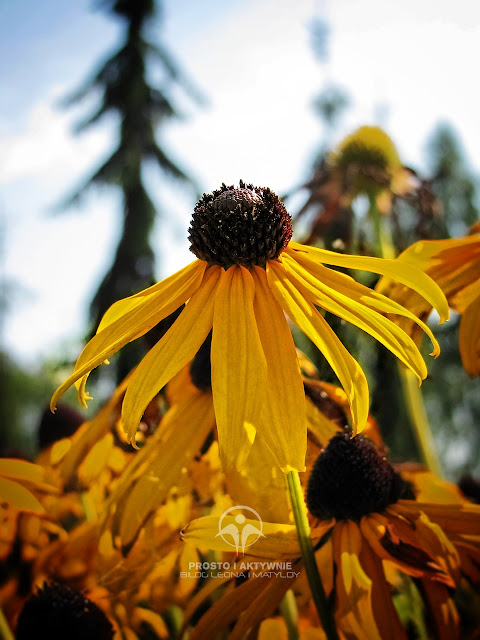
x,y
382,235
5,631
289,611
418,417
411,391
299,509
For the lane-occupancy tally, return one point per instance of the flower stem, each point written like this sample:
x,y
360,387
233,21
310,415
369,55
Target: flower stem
x,y
289,611
418,417
299,509
411,391
382,235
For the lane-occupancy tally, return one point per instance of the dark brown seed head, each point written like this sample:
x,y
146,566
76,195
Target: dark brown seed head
x,y
351,479
245,226
57,611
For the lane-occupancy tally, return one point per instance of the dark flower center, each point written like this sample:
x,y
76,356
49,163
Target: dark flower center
x,y
245,226
58,612
351,479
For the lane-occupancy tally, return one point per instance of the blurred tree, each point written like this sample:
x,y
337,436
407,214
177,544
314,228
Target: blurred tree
x,y
452,181
142,109
446,203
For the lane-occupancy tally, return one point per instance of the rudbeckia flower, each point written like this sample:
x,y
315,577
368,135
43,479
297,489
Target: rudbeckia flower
x,y
375,526
247,276
454,264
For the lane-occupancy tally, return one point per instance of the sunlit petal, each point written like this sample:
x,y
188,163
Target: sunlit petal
x,y
307,318
19,497
130,320
177,347
403,272
335,283
260,484
381,328
191,274
278,540
185,428
469,338
386,616
238,366
353,586
283,417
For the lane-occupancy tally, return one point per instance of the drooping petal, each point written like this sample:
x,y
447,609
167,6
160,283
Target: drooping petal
x,y
403,272
177,347
129,319
191,274
21,470
443,610
469,338
394,539
238,366
278,540
18,496
260,484
385,614
283,420
230,607
381,328
335,282
90,432
184,429
454,519
266,603
307,318
353,586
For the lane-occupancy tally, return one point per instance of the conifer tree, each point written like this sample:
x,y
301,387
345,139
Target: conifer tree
x,y
142,111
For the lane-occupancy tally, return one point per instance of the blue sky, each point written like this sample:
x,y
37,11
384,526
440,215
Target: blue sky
x,y
404,67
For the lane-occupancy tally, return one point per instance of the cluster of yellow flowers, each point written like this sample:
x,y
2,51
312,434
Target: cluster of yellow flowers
x,y
201,529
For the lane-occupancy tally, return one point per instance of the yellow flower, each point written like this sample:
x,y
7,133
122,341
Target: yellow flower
x,y
247,276
369,163
454,264
375,526
370,152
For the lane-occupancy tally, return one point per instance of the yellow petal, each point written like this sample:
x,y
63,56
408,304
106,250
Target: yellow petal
x,y
307,318
184,278
385,614
130,321
238,366
177,347
260,484
337,282
381,328
403,272
469,338
187,426
354,587
18,496
277,540
21,470
96,460
443,610
283,418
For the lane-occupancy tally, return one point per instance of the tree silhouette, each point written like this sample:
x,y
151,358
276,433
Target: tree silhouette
x,y
142,110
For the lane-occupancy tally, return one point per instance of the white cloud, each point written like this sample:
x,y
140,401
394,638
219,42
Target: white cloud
x,y
45,148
